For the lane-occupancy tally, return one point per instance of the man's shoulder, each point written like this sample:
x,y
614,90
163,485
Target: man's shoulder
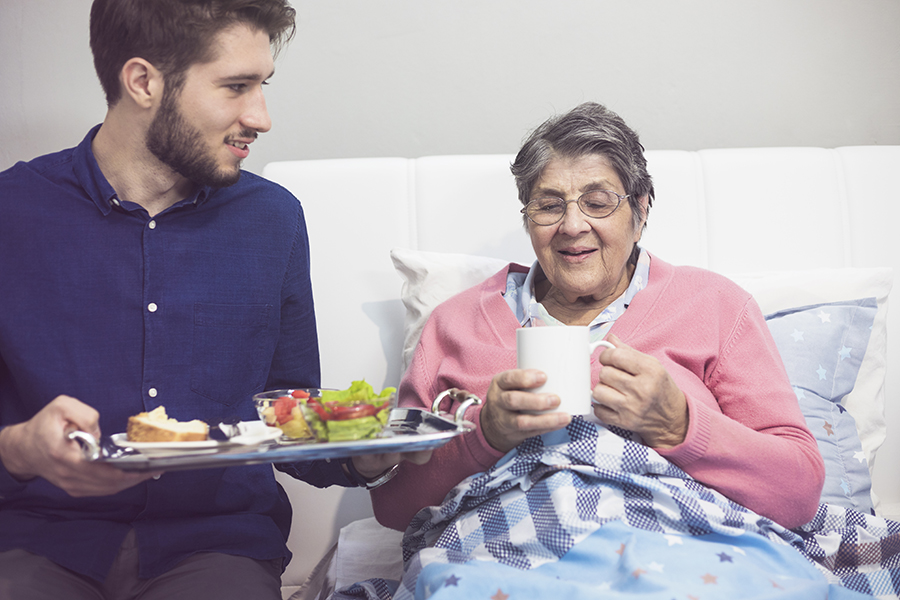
x,y
48,167
262,192
253,182
27,185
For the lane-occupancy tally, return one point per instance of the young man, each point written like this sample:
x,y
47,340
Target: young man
x,y
143,268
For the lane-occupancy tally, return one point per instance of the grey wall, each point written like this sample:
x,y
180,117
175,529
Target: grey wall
x,y
412,78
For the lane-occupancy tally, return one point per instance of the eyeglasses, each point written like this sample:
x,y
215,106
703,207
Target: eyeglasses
x,y
549,210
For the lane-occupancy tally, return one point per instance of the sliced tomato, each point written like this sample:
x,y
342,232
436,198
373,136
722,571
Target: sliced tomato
x,y
300,394
283,407
357,411
320,410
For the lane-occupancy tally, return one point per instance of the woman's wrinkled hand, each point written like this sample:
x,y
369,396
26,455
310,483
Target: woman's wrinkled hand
x,y
506,417
371,466
636,393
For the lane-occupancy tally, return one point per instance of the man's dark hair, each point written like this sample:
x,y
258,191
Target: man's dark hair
x,y
174,34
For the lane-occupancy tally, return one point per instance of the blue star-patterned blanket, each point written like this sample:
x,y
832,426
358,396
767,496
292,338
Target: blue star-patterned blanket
x,y
585,513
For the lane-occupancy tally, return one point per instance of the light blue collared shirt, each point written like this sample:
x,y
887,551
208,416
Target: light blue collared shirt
x,y
531,313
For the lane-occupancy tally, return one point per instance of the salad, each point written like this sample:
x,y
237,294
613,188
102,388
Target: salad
x,y
327,415
353,414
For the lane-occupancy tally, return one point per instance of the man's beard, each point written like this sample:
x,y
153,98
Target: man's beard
x,y
179,145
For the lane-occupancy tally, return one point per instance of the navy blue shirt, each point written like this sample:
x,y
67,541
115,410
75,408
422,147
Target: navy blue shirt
x,y
195,309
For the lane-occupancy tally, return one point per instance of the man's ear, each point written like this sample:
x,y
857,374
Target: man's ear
x,y
142,82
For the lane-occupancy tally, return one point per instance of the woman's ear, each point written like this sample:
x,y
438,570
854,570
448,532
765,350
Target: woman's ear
x,y
644,203
645,207
142,82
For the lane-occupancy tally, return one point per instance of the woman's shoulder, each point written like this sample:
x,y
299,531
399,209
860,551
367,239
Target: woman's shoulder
x,y
699,274
695,280
470,298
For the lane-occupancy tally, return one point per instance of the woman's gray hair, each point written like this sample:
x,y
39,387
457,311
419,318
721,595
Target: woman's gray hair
x,y
589,128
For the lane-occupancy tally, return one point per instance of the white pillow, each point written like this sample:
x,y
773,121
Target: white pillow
x,y
429,278
432,277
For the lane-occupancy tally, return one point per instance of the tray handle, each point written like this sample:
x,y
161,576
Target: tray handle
x,y
88,444
466,399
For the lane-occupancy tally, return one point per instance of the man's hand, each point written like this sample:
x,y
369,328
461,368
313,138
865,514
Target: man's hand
x,y
505,417
371,466
40,447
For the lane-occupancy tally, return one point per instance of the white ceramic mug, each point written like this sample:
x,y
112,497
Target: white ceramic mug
x,y
563,353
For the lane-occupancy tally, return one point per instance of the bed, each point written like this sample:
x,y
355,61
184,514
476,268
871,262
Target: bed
x,y
392,237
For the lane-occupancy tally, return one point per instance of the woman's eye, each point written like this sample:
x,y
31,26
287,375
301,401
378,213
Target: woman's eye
x,y
596,205
549,206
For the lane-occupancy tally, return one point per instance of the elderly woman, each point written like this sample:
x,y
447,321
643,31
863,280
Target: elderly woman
x,y
694,371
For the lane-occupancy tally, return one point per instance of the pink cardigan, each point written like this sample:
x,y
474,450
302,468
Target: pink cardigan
x,y
747,437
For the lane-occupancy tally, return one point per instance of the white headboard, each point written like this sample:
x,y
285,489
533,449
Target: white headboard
x,y
730,210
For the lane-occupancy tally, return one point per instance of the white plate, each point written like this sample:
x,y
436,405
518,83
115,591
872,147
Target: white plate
x,y
121,439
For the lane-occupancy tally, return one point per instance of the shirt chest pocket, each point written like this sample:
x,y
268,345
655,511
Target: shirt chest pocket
x,y
231,350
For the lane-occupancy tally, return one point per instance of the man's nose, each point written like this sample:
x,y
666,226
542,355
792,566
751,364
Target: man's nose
x,y
256,116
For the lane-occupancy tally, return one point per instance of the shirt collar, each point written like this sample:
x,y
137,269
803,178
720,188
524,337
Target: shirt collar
x,y
530,312
101,192
89,175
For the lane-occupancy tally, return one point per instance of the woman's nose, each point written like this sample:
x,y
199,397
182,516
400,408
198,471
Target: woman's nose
x,y
574,221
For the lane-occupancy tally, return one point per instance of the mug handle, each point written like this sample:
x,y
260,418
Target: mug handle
x,y
599,343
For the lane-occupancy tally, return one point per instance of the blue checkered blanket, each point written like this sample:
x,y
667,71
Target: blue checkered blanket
x,y
585,512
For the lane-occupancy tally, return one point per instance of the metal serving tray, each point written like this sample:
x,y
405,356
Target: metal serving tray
x,y
408,430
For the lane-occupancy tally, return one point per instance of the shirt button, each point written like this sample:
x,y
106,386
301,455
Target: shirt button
x,y
152,307
152,224
152,392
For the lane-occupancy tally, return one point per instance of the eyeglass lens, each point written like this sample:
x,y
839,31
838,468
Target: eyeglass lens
x,y
549,210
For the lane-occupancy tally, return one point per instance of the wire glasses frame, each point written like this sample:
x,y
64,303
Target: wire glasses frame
x,y
550,210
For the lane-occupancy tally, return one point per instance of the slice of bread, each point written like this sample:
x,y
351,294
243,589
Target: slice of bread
x,y
156,426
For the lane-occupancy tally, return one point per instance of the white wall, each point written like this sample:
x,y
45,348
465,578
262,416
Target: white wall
x,y
411,78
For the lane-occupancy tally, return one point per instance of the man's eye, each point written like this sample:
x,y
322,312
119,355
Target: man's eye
x,y
237,87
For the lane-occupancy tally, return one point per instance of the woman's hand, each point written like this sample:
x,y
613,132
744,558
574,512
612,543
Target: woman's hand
x,y
371,466
636,393
40,447
505,417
